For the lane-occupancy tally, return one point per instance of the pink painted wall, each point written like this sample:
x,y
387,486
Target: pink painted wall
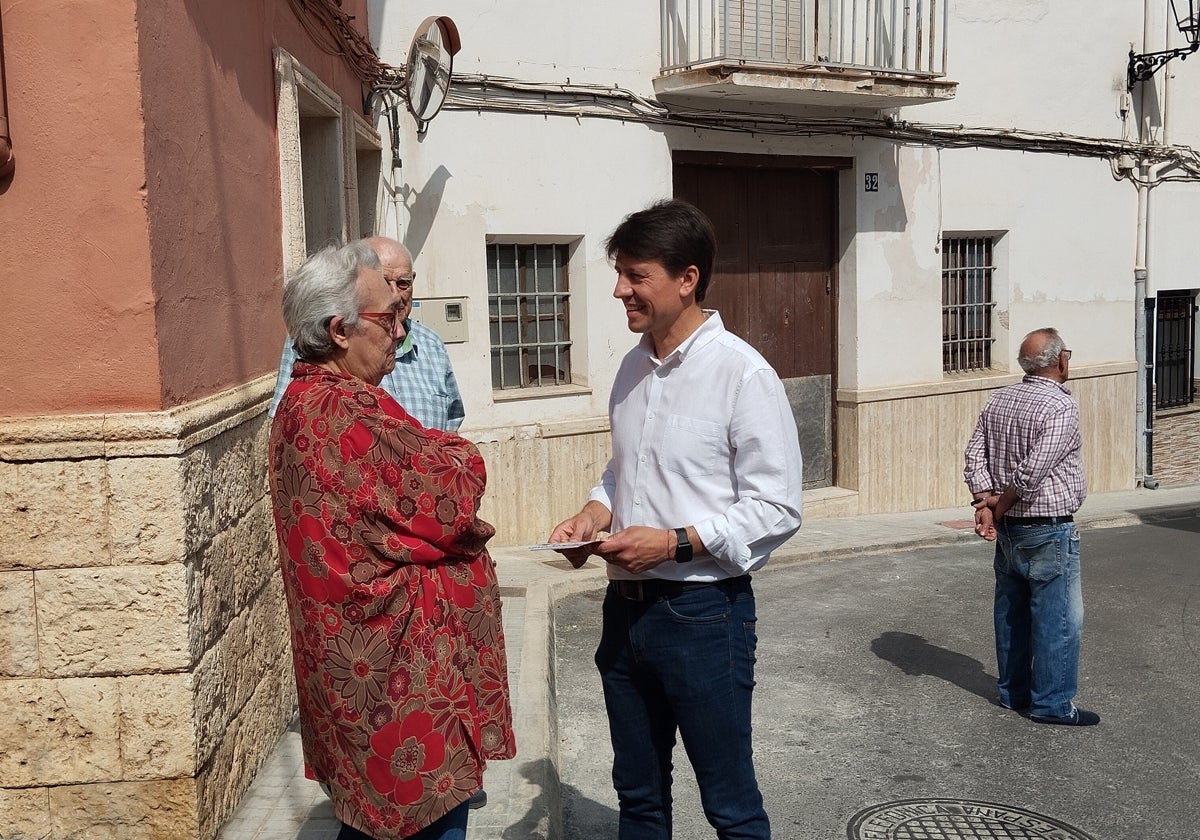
x,y
213,180
75,287
140,251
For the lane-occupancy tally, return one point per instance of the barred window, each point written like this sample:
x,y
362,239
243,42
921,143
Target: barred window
x,y
967,303
529,315
1175,350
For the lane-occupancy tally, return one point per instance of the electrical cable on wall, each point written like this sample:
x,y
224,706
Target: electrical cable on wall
x,y
331,29
503,95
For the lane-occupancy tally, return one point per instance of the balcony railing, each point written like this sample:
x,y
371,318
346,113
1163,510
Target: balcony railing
x,y
902,37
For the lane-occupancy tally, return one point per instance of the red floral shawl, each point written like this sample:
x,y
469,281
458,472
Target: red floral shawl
x,y
395,609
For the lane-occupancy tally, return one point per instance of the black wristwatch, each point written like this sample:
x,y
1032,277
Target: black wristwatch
x,y
683,546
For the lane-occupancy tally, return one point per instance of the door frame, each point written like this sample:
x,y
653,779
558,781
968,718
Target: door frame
x,y
819,163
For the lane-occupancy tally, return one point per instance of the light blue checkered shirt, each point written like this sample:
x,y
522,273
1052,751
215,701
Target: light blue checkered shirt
x,y
422,381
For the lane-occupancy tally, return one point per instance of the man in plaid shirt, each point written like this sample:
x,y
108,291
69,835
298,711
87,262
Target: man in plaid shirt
x,y
422,381
1025,472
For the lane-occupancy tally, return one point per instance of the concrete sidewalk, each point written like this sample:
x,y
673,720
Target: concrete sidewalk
x,y
525,797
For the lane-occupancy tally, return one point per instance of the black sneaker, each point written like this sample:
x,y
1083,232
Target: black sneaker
x,y
478,799
1078,717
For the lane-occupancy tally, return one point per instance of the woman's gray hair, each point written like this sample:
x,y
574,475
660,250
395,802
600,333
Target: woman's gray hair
x,y
1049,355
325,287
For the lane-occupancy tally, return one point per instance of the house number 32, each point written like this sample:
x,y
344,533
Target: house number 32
x,y
871,181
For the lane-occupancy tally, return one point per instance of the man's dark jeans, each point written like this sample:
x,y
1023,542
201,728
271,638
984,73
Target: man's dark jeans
x,y
682,662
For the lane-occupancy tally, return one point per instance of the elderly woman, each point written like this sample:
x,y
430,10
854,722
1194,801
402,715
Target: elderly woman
x,y
395,609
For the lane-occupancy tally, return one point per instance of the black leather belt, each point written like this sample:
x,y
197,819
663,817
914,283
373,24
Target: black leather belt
x,y
653,589
1038,520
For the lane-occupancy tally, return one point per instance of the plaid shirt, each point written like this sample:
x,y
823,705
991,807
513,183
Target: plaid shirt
x,y
422,381
1028,438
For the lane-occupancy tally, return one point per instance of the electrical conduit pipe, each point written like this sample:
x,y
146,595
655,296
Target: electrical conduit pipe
x,y
7,161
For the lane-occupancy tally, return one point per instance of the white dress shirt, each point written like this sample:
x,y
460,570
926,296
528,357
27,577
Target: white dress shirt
x,y
704,437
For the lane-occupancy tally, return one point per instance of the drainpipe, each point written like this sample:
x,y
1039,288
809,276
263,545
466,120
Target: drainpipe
x,y
1142,307
7,161
1149,301
1143,332
397,170
1144,323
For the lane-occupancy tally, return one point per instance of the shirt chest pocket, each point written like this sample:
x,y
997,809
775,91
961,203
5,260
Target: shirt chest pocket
x,y
691,446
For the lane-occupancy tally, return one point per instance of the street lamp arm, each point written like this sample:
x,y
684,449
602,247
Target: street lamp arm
x,y
1144,65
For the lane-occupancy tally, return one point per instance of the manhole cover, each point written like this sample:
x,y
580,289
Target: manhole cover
x,y
956,819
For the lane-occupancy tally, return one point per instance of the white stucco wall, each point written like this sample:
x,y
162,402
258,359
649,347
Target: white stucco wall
x,y
614,42
896,331
474,176
1037,65
1068,245
563,180
1173,258
1067,230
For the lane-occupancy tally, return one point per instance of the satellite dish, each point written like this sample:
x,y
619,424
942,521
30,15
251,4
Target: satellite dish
x,y
430,63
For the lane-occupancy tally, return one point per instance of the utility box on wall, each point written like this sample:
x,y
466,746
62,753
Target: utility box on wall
x,y
445,316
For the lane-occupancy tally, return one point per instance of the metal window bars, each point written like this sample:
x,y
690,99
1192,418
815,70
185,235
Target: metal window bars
x,y
967,304
905,37
1175,350
529,315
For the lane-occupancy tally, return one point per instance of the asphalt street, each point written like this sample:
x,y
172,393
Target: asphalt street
x,y
876,683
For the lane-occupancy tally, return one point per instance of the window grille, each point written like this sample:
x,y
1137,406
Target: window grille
x,y
967,303
1175,350
528,312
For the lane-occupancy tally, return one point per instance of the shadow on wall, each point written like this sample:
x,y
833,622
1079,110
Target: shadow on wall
x,y
203,177
882,194
422,206
918,658
376,13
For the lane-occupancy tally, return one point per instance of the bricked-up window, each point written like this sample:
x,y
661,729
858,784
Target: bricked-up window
x,y
529,315
967,303
1175,350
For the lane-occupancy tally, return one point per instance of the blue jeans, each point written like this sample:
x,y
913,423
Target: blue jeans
x,y
451,826
1039,616
682,663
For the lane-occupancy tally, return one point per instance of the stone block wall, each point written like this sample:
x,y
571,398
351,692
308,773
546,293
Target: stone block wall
x,y
902,448
144,657
1177,446
538,475
899,449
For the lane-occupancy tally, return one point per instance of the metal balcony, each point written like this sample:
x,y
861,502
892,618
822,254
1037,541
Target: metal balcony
x,y
848,54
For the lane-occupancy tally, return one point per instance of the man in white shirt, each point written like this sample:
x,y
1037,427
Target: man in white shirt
x,y
704,482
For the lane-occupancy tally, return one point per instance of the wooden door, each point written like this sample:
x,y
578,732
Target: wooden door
x,y
774,281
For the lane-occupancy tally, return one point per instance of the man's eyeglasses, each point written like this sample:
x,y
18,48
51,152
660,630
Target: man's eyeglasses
x,y
387,320
403,282
1067,353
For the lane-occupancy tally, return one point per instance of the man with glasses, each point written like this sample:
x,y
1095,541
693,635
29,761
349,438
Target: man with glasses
x,y
422,380
1025,471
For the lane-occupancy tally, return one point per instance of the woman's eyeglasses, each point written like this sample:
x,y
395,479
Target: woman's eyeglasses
x,y
387,320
